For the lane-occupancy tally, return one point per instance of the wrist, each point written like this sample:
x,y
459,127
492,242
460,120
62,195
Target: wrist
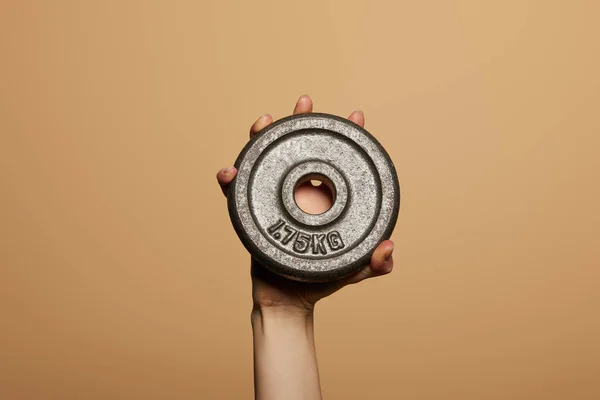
x,y
282,323
282,312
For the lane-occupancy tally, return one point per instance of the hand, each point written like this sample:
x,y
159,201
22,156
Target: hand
x,y
274,293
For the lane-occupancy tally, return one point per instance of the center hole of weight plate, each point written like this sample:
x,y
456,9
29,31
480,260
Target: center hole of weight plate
x,y
314,193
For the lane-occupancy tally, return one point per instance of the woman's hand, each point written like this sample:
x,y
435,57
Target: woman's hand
x,y
270,291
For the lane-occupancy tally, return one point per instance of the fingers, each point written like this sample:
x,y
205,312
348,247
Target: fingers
x,y
358,117
382,263
381,260
304,105
224,177
260,124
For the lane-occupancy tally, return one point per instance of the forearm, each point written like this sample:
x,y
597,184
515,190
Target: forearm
x,y
285,361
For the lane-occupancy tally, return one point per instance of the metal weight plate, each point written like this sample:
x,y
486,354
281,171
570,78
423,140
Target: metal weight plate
x,y
313,247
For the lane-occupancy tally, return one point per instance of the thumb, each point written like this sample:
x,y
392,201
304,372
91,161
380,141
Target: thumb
x,y
382,263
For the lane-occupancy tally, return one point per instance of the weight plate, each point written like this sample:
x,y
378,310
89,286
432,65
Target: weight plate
x,y
308,247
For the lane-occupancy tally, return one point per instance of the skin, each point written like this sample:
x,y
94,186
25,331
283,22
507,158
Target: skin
x,y
285,362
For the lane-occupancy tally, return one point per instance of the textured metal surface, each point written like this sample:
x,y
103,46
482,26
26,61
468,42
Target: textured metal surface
x,y
302,246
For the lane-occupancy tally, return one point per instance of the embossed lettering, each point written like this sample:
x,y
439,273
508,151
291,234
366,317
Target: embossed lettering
x,y
291,232
335,240
302,242
318,244
275,227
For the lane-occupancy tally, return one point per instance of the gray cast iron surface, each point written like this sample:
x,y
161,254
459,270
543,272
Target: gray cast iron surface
x,y
306,247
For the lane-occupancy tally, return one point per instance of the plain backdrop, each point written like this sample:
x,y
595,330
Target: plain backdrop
x,y
122,278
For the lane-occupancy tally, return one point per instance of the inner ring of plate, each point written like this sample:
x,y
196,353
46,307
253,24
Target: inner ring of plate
x,y
308,169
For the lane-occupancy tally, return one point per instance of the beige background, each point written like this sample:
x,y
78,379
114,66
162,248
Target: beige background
x,y
122,278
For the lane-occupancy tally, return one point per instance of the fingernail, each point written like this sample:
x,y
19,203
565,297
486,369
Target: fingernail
x,y
227,170
388,256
